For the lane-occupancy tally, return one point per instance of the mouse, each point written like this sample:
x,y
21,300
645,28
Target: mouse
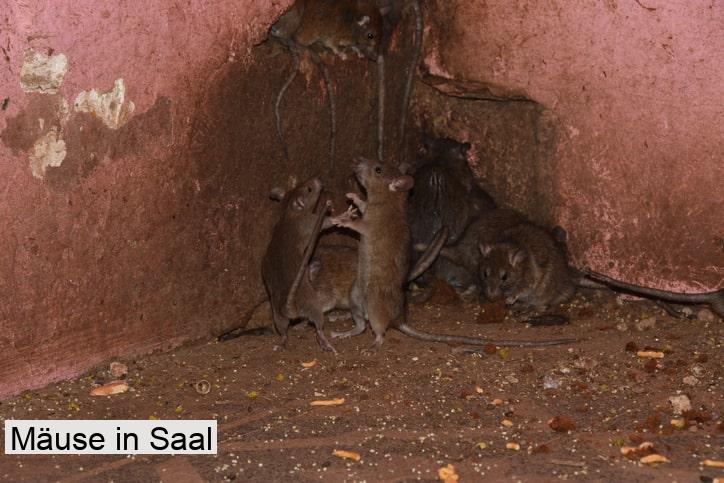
x,y
525,267
460,260
445,194
287,257
313,26
511,259
377,294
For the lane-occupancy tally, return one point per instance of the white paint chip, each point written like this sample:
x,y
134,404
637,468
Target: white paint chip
x,y
48,150
109,106
43,73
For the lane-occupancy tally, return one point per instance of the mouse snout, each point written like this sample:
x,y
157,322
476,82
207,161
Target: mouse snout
x,y
370,53
493,294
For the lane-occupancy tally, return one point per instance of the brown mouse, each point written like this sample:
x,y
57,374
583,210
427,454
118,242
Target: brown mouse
x,y
313,26
287,256
525,267
458,262
377,294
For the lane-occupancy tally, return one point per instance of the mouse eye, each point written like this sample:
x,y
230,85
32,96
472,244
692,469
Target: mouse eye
x,y
370,35
486,273
504,276
378,169
309,189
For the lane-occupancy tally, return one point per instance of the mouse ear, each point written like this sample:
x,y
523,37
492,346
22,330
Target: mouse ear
x,y
516,257
363,20
313,270
277,194
559,234
385,9
402,183
485,249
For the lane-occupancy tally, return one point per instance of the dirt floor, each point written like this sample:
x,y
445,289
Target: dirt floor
x,y
563,413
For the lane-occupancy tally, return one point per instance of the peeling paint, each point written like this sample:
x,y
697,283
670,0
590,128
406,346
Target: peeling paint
x,y
49,150
43,73
109,106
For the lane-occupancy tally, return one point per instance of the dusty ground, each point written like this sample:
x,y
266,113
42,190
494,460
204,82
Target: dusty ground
x,y
416,407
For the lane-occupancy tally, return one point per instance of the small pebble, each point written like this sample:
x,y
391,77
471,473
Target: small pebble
x,y
118,370
680,404
551,382
646,324
691,381
706,315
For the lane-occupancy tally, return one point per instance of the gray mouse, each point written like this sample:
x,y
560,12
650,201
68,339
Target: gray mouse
x,y
287,256
446,194
377,294
342,27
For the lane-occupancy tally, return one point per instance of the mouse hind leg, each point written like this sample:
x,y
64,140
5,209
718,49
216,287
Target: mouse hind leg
x,y
357,311
381,316
281,327
316,317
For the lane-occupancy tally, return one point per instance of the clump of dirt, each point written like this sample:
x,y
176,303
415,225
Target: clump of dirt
x,y
416,410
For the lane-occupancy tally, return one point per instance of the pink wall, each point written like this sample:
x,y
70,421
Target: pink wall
x,y
635,92
126,246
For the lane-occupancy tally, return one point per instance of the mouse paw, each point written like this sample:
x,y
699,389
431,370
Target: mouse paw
x,y
356,200
374,348
346,218
325,345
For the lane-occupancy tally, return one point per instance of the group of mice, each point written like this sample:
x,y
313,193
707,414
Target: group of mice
x,y
448,223
450,220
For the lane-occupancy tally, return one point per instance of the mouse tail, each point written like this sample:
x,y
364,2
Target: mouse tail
x,y
676,297
430,255
459,339
412,67
239,330
380,106
327,79
280,96
306,257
